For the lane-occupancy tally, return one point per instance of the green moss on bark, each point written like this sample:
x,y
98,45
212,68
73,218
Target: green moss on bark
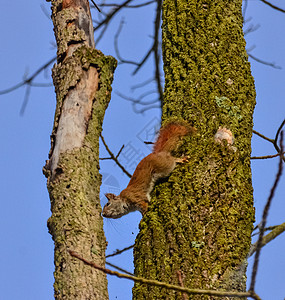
x,y
200,219
82,79
76,222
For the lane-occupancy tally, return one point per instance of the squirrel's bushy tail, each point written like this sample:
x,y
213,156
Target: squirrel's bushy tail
x,y
170,135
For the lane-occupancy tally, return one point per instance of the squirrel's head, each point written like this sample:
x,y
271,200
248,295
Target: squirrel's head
x,y
115,207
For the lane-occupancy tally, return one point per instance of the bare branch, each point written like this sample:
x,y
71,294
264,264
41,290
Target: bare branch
x,y
155,48
114,158
29,79
277,135
141,111
251,28
265,229
143,60
45,11
129,6
266,156
275,140
95,5
37,84
102,33
166,285
264,219
26,99
116,37
247,20
142,84
277,230
118,268
273,65
263,136
111,14
119,152
120,251
138,100
273,6
245,3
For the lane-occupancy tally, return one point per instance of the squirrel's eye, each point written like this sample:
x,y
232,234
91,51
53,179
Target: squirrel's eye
x,y
108,203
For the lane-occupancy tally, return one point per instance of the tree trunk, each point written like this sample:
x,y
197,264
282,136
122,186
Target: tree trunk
x,y
82,79
200,221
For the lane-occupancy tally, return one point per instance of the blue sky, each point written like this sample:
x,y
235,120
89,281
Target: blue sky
x,y
26,252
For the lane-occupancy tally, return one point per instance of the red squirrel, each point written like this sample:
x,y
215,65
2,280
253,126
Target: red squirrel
x,y
160,163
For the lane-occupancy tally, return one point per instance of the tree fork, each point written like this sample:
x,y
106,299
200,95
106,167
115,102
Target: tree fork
x,y
200,220
82,80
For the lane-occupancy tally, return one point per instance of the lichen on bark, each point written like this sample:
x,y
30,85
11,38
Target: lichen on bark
x,y
76,222
201,217
82,79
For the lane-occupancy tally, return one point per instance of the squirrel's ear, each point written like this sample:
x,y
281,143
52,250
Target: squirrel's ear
x,y
109,196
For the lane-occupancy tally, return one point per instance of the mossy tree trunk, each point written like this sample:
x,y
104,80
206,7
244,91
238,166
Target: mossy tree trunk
x,y
201,217
82,79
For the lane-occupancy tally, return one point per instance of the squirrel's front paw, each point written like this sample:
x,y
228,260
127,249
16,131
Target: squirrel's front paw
x,y
183,159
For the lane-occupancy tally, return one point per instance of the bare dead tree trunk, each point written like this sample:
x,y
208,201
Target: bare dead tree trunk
x,y
200,221
82,79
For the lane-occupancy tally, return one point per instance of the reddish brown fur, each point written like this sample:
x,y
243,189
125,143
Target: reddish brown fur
x,y
160,163
170,135
152,167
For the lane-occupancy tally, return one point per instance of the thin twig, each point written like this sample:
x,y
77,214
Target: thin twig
x,y
102,33
113,157
119,251
273,6
111,14
129,6
119,152
275,143
149,104
155,49
138,100
275,140
265,229
29,79
45,11
143,61
39,84
95,5
245,3
264,219
278,131
247,20
277,230
142,84
141,111
270,64
116,38
26,99
266,156
251,28
166,285
263,136
118,268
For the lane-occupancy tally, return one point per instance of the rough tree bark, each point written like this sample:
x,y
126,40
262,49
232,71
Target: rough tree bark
x,y
82,79
201,217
